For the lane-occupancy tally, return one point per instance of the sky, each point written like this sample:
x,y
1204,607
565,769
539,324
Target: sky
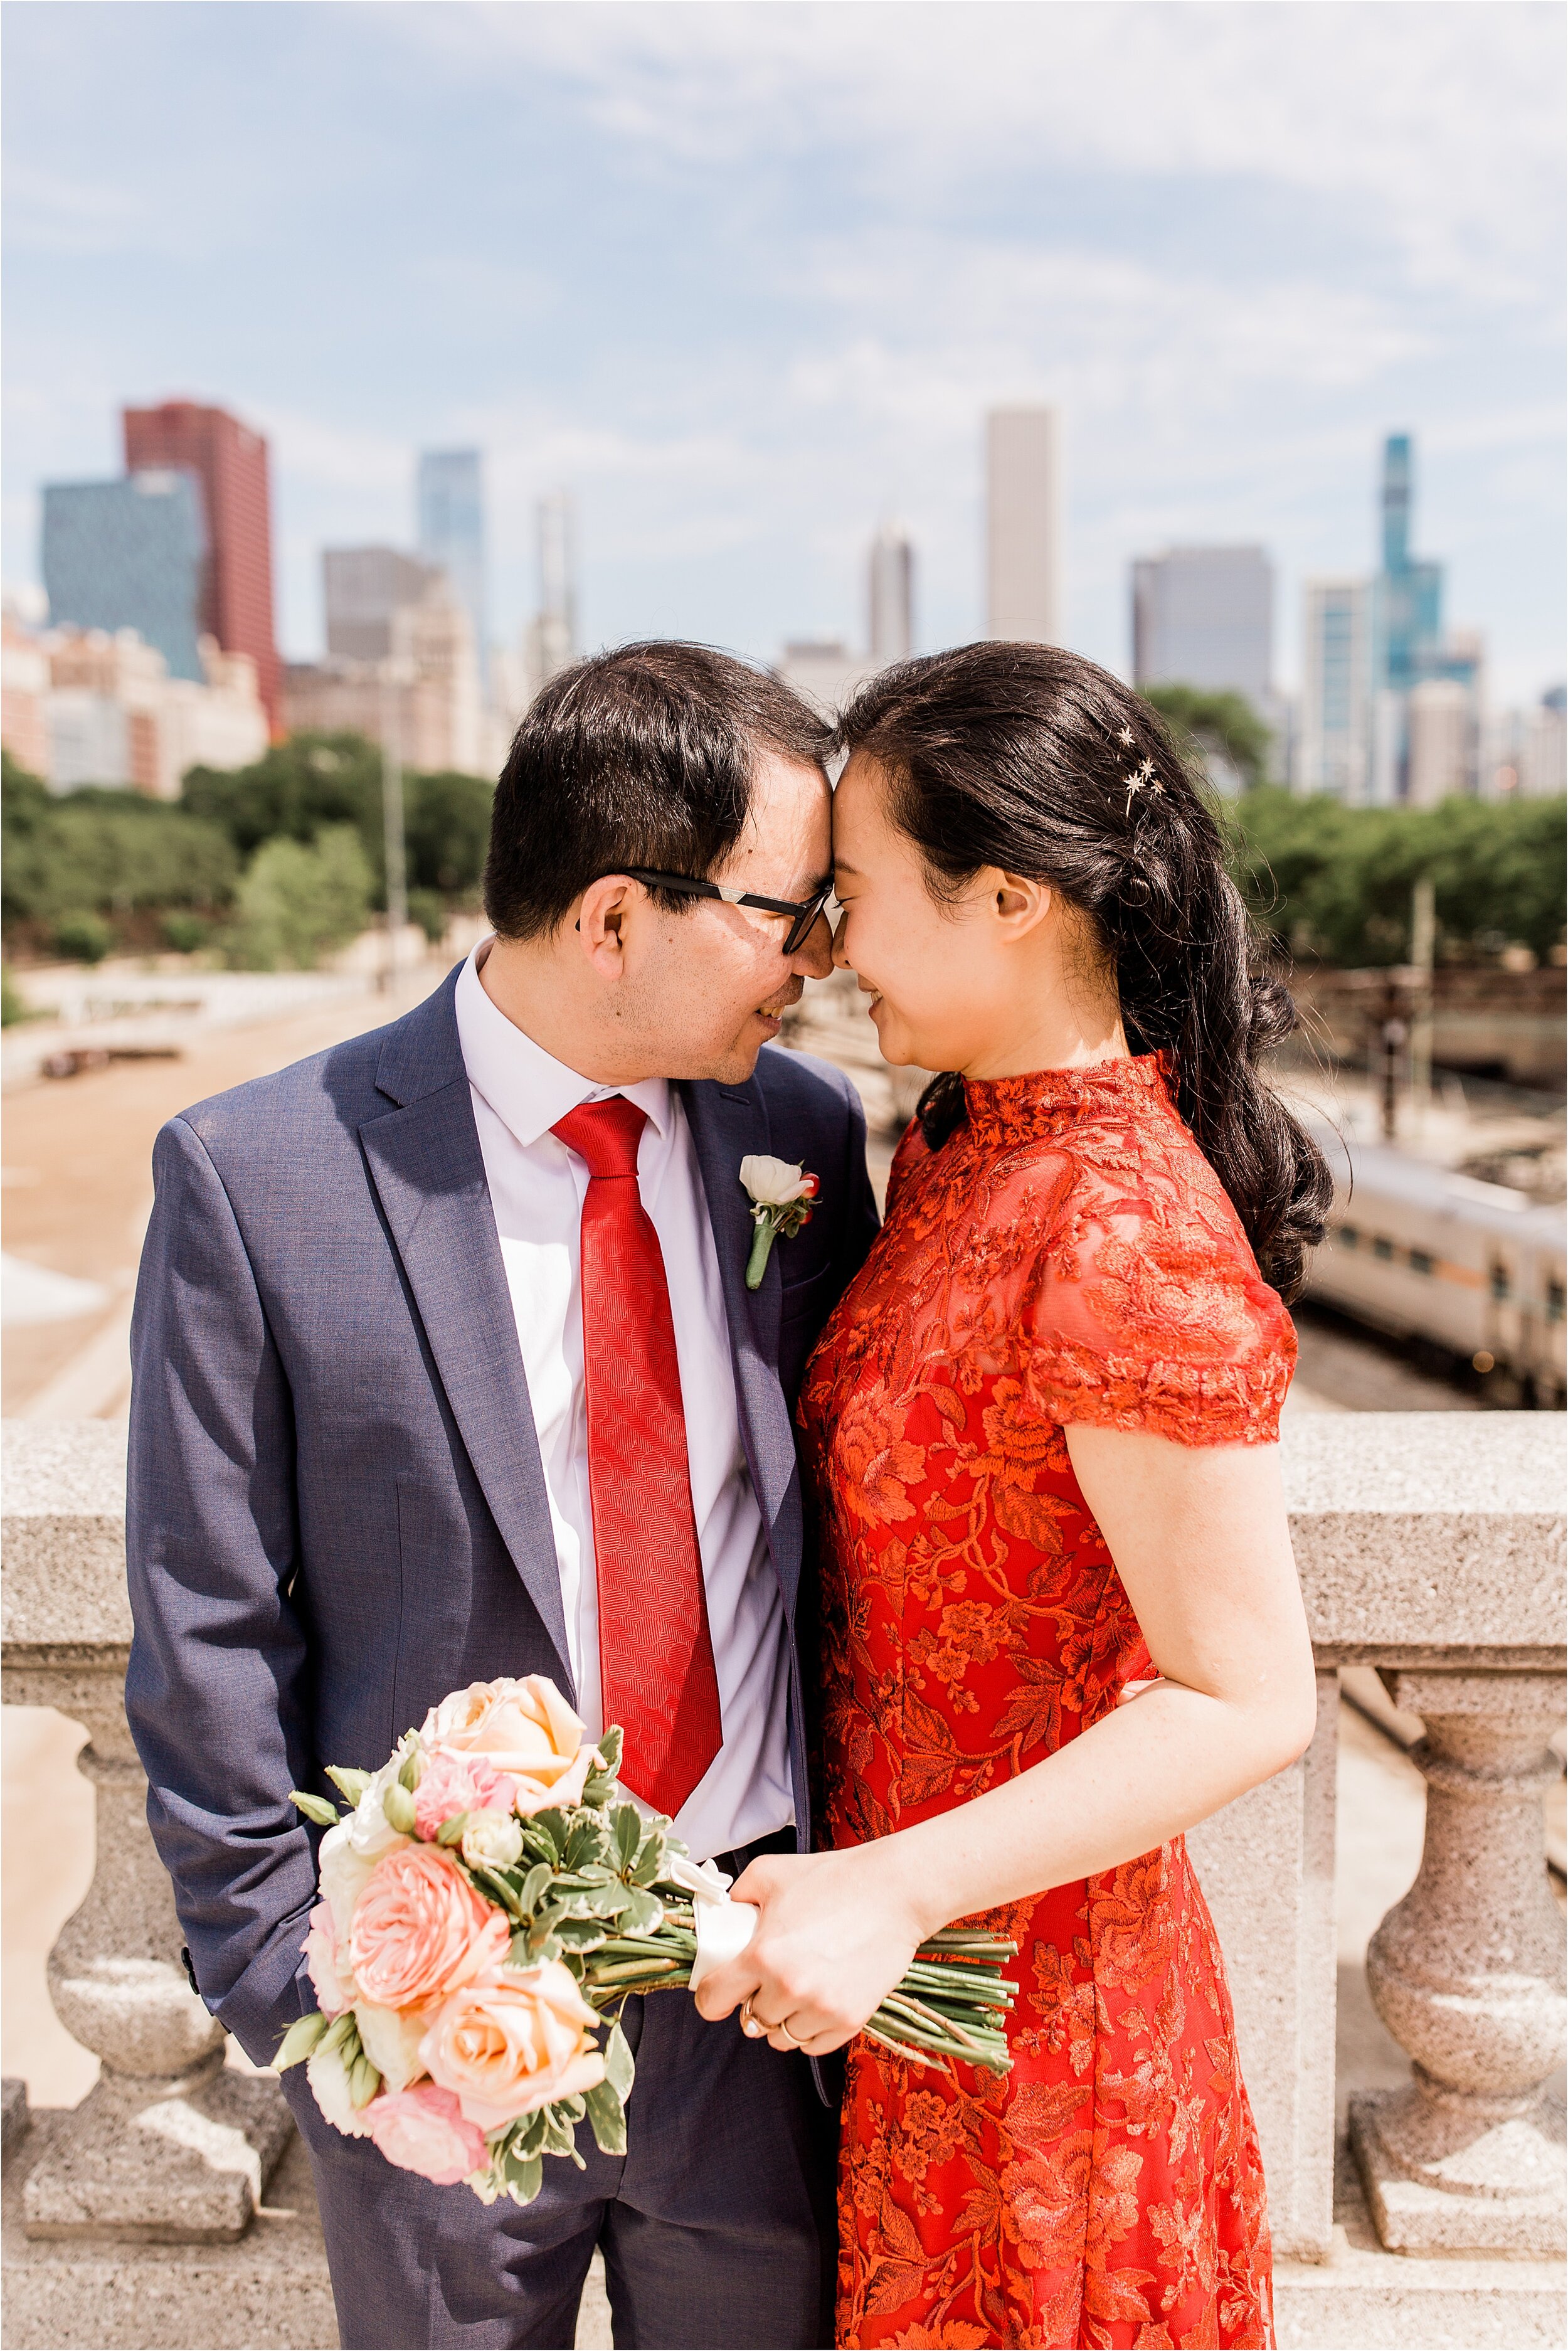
x,y
743,277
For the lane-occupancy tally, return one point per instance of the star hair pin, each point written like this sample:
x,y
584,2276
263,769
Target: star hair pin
x,y
1143,778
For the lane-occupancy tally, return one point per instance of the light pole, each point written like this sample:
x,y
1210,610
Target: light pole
x,y
393,823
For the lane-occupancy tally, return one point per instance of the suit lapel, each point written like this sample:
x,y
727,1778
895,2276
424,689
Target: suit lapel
x,y
728,1123
429,1172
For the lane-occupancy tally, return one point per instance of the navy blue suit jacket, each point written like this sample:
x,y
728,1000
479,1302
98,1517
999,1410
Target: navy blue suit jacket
x,y
335,1511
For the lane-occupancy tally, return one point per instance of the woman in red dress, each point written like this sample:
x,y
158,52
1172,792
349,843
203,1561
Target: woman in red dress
x,y
1060,1621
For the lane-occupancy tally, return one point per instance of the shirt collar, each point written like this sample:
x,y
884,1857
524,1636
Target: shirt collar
x,y
528,1089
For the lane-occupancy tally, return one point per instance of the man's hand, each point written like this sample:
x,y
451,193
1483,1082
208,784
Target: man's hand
x,y
835,1935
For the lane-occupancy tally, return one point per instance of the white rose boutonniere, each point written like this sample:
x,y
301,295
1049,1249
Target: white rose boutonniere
x,y
781,1195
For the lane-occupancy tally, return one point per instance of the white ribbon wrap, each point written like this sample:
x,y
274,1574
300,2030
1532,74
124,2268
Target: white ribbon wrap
x,y
724,1928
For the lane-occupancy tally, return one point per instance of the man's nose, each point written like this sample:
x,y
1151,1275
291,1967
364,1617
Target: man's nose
x,y
814,958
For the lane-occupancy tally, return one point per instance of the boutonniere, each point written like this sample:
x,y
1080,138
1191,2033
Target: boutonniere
x,y
781,1195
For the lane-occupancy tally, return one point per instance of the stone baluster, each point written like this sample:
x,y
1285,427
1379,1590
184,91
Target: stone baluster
x,y
1468,1974
168,2147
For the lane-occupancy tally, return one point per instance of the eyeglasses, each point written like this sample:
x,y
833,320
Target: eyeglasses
x,y
806,912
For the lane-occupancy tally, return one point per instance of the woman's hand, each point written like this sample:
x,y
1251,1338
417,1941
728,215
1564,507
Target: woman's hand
x,y
836,1932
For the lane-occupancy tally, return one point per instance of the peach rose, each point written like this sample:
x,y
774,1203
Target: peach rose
x,y
326,1963
422,2130
453,1783
420,1930
512,2041
525,1728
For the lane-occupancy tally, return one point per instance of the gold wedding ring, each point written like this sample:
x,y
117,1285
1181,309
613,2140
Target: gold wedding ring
x,y
752,2025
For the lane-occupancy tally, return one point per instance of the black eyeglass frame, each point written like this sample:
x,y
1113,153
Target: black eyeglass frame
x,y
806,910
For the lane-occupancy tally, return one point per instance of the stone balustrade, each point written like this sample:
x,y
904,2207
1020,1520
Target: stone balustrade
x,y
1430,1546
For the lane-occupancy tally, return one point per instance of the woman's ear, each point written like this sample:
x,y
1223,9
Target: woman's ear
x,y
1021,903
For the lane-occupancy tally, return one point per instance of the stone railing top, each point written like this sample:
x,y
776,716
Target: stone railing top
x,y
1416,1534
64,1522
1421,1534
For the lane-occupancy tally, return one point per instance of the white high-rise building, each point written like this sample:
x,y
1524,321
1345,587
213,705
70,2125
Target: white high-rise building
x,y
1335,753
1441,742
1023,524
1204,616
553,634
891,583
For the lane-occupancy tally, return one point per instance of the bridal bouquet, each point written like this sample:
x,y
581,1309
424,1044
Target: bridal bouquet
x,y
487,1902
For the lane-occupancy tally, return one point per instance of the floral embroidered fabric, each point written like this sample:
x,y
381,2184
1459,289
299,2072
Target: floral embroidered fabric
x,y
1067,1256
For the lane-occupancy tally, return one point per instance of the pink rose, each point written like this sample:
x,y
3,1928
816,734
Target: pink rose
x,y
420,1930
512,2041
326,1964
422,2130
453,1783
525,1728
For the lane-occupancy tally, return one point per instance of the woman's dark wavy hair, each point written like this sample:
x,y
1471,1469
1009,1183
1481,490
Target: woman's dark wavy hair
x,y
1025,757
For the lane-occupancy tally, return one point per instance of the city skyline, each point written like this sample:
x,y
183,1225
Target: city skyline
x,y
788,267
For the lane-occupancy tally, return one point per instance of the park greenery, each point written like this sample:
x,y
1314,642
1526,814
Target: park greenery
x,y
271,866
277,864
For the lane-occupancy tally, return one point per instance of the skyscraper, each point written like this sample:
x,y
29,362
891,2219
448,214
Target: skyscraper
x,y
1205,616
451,496
229,461
129,554
891,584
363,588
1023,524
1336,703
552,634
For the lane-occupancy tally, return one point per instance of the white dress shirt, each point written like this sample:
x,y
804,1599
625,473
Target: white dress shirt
x,y
536,1189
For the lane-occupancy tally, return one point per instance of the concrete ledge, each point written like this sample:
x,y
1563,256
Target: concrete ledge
x,y
1362,2297
65,1538
269,2291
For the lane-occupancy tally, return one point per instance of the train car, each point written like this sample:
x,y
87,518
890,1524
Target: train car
x,y
1421,1251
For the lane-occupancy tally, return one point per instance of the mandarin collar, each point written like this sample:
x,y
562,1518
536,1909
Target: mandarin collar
x,y
528,1089
1010,1108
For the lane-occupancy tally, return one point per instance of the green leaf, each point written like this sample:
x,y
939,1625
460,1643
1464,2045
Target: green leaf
x,y
607,2119
342,2031
552,1828
619,2072
300,2041
314,1808
533,1886
451,1830
530,2136
609,1746
588,1841
643,1914
628,1834
524,2179
581,1934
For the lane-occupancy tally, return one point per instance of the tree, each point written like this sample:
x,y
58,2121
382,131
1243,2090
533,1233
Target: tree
x,y
1210,726
1335,882
104,853
298,900
447,829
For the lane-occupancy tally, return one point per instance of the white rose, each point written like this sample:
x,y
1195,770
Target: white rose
x,y
329,2079
774,1183
391,2041
492,1841
343,1876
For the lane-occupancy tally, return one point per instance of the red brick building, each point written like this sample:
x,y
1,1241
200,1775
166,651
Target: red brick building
x,y
230,461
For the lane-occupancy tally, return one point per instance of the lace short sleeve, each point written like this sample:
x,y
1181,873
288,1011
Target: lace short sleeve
x,y
1148,1312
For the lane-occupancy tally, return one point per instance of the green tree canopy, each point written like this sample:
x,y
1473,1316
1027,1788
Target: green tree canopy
x,y
105,852
1210,726
1335,882
298,900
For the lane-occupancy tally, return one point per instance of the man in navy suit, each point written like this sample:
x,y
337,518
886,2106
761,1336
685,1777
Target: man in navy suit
x,y
446,1369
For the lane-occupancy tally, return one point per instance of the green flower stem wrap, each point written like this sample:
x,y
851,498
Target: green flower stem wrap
x,y
770,1222
597,1887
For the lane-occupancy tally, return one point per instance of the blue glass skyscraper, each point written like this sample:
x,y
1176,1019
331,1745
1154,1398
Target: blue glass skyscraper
x,y
451,530
128,555
1409,618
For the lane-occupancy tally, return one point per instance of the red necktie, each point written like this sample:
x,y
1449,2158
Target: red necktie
x,y
656,1656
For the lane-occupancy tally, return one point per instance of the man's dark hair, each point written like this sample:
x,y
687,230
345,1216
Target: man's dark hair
x,y
640,756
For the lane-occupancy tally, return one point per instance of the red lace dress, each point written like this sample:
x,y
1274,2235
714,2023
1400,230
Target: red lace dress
x,y
1067,1256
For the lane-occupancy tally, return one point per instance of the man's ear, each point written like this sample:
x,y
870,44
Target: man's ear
x,y
600,923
